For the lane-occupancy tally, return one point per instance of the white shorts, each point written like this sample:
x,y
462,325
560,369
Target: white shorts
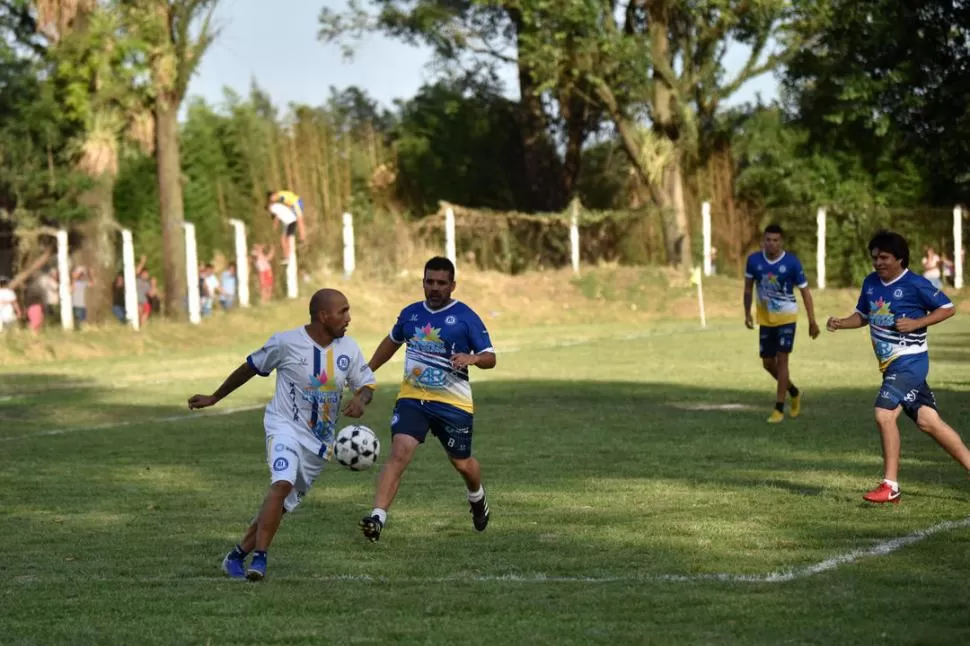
x,y
289,461
283,213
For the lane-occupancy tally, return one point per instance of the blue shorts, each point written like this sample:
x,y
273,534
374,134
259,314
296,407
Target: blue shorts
x,y
452,426
773,340
906,387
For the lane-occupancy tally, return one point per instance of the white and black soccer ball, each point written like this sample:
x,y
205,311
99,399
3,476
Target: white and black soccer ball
x,y
357,447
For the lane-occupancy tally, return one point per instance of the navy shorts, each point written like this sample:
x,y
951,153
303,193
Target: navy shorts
x,y
906,388
452,426
773,340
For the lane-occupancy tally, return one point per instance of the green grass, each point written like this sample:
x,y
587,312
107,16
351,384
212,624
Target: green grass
x,y
610,470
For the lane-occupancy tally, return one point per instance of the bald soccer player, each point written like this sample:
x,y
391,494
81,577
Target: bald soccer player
x,y
313,364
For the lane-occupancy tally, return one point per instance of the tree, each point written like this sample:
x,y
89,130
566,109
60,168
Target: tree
x,y
98,72
174,51
894,77
475,36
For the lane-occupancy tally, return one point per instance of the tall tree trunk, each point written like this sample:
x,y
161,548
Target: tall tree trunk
x,y
677,233
532,126
99,246
171,204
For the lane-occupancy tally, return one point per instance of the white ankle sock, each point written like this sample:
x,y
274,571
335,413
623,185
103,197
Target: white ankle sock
x,y
893,484
381,515
475,496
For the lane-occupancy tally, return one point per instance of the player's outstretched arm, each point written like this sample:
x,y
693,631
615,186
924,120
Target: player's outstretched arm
x,y
239,376
851,322
383,353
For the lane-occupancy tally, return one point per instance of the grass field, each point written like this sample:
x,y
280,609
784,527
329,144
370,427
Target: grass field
x,y
637,494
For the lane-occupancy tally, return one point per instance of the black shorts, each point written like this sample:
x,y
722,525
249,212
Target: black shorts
x,y
452,426
772,340
290,229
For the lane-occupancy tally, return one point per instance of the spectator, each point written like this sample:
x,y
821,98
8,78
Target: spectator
x,y
52,294
9,308
154,297
118,298
227,290
931,267
78,296
34,297
212,286
264,270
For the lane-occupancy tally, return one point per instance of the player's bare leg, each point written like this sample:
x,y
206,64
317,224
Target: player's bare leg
x,y
930,422
471,472
888,489
259,535
388,482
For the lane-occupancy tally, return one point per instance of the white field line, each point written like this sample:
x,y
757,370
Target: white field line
x,y
883,548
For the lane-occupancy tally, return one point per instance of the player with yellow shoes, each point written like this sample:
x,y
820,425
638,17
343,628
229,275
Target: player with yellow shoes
x,y
776,273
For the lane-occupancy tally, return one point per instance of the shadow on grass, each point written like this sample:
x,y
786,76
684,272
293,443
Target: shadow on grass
x,y
584,477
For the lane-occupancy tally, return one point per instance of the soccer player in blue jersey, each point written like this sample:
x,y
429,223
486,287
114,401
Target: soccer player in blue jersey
x,y
898,306
776,273
443,338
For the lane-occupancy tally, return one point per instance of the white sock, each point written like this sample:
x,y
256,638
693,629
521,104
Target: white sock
x,y
475,496
381,515
892,483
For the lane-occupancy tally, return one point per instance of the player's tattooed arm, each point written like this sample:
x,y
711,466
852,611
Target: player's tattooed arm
x,y
239,376
355,407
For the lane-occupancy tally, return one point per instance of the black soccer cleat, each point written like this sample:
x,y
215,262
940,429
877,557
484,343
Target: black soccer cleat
x,y
371,526
480,513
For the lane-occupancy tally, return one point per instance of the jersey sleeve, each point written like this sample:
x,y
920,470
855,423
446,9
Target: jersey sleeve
x,y
360,374
930,297
478,339
267,358
397,334
749,267
862,305
801,281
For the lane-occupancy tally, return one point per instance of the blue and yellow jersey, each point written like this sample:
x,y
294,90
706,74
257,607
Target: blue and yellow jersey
x,y
432,337
290,199
775,282
882,304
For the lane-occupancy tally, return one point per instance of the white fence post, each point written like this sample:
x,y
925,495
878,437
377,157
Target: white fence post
x,y
706,228
958,247
132,315
242,262
192,273
820,250
64,281
292,285
574,237
350,259
450,235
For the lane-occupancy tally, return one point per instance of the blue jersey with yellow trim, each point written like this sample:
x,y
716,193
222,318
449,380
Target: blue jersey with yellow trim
x,y
432,337
882,304
775,282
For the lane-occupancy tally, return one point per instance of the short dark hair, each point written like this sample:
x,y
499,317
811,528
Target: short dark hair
x,y
774,228
4,281
269,194
440,263
891,242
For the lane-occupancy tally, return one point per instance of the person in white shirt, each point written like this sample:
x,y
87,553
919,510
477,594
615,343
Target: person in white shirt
x,y
9,308
313,364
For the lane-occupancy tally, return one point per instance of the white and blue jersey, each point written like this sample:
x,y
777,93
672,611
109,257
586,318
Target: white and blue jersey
x,y
882,304
775,282
310,381
432,338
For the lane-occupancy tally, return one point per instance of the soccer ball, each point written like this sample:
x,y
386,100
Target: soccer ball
x,y
357,447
